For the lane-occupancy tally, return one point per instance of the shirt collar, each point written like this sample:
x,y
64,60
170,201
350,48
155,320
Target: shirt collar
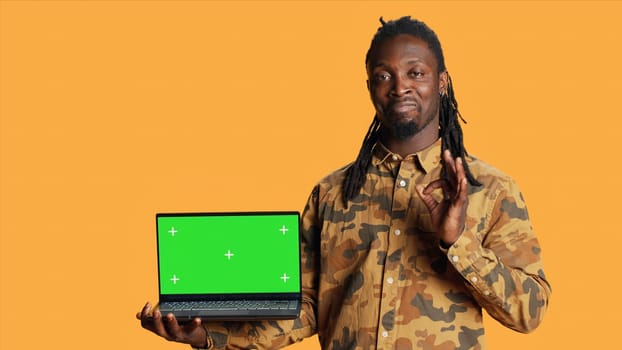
x,y
428,158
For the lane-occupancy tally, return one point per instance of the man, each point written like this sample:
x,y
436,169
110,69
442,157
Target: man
x,y
406,245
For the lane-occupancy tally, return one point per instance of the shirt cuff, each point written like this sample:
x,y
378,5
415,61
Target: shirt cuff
x,y
469,258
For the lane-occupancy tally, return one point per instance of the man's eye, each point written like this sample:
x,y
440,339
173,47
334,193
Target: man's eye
x,y
383,77
416,74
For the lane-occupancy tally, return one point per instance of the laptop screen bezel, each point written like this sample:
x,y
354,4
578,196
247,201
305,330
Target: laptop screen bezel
x,y
230,296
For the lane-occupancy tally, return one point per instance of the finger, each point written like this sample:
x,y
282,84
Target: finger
x,y
434,185
145,316
450,164
145,310
455,173
429,202
459,164
442,184
172,327
190,327
192,336
461,190
425,193
462,194
158,326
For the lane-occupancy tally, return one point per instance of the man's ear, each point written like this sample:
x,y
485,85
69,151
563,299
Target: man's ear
x,y
443,82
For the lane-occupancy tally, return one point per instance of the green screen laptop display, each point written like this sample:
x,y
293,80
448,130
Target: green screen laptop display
x,y
228,253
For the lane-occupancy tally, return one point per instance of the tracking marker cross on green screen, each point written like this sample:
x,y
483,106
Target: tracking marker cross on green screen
x,y
228,254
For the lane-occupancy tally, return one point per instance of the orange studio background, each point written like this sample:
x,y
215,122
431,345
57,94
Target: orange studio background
x,y
111,111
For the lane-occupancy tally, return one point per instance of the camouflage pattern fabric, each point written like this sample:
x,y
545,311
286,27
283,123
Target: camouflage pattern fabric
x,y
375,276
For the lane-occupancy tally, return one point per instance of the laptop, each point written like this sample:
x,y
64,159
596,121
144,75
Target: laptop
x,y
229,265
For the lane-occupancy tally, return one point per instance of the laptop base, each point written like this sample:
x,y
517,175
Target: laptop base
x,y
252,310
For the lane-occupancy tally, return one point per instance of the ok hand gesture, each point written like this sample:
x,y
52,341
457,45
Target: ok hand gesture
x,y
449,215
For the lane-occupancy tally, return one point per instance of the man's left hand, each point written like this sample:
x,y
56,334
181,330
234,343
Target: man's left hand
x,y
449,215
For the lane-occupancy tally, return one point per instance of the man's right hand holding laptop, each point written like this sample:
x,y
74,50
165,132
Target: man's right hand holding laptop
x,y
168,328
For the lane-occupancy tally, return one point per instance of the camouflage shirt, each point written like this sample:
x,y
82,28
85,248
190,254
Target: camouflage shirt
x,y
376,277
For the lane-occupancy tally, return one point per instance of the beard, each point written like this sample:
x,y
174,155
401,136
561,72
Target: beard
x,y
405,129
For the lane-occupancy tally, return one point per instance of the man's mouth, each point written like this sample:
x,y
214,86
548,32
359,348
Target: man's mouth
x,y
404,106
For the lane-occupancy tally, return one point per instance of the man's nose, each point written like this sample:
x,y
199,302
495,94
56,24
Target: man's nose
x,y
401,86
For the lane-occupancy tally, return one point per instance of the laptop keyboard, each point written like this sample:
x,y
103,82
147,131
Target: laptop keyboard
x,y
229,305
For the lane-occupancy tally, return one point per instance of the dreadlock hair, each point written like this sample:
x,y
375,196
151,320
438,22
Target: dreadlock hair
x,y
449,128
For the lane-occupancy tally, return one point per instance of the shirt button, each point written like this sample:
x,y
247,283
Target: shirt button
x,y
395,157
455,258
402,183
385,334
390,280
486,293
398,232
473,279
